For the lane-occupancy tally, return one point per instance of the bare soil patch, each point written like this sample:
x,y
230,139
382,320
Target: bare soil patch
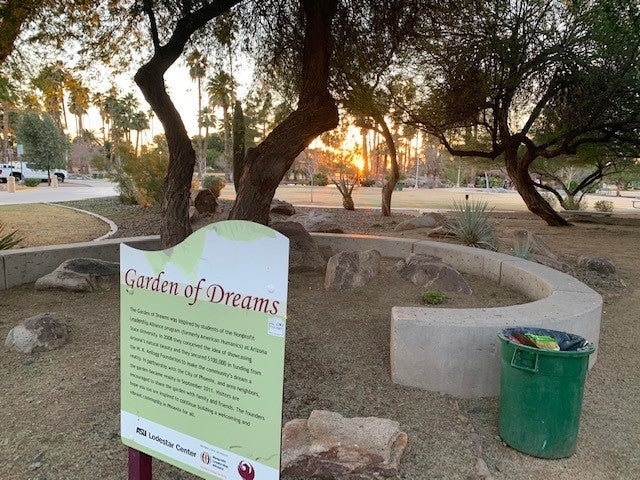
x,y
60,415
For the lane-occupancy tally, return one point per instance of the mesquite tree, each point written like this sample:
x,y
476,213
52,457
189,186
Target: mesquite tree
x,y
533,78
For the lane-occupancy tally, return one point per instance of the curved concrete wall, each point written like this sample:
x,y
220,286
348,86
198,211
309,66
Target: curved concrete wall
x,y
454,351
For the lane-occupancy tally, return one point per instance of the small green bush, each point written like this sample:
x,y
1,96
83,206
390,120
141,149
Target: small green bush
x,y
433,297
213,183
31,182
321,179
472,224
571,203
367,182
603,206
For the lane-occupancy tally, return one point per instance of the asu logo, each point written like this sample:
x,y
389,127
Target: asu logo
x,y
246,470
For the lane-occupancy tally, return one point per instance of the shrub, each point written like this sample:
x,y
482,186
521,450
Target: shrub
x,y
473,225
367,182
9,240
213,183
571,203
140,179
433,297
31,182
321,179
603,206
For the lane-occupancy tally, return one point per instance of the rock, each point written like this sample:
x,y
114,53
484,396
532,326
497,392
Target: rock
x,y
37,334
205,202
441,231
430,272
280,206
329,446
315,221
553,263
81,275
351,269
304,254
538,246
601,265
426,220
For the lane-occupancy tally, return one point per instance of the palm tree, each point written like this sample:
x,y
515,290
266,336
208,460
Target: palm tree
x,y
197,71
221,90
139,122
78,101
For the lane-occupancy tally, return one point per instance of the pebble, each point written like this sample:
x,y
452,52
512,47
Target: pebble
x,y
27,361
35,466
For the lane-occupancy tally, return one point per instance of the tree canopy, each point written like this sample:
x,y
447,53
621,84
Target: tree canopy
x,y
45,145
533,78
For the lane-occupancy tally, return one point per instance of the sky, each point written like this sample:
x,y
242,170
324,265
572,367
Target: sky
x,y
183,92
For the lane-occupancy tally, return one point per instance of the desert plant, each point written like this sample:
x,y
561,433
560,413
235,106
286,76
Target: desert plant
x,y
523,247
140,179
472,224
321,179
433,297
572,203
213,183
367,182
31,182
9,240
603,206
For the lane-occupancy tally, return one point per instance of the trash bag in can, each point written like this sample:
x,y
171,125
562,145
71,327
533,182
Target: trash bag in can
x,y
541,390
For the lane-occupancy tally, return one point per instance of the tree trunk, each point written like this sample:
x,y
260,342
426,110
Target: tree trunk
x,y
387,188
238,143
536,204
266,164
175,225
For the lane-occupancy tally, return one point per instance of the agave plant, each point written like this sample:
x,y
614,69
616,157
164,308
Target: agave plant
x,y
9,240
472,224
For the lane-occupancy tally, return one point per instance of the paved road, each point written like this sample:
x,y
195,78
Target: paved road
x,y
421,199
67,191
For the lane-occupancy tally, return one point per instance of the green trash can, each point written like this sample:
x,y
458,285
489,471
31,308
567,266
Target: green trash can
x,y
541,393
399,186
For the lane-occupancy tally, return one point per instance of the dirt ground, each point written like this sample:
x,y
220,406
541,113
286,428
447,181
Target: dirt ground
x,y
60,409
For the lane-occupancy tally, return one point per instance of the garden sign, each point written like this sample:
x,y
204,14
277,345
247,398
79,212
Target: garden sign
x,y
202,351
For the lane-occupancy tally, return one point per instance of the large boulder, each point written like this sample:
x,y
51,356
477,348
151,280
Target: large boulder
x,y
430,272
282,207
316,221
81,275
37,334
426,220
329,446
205,202
351,269
304,254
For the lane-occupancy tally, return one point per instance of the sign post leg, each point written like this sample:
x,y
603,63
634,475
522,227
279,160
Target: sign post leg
x,y
139,465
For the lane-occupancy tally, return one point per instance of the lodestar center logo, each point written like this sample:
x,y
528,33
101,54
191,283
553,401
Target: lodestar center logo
x,y
246,470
